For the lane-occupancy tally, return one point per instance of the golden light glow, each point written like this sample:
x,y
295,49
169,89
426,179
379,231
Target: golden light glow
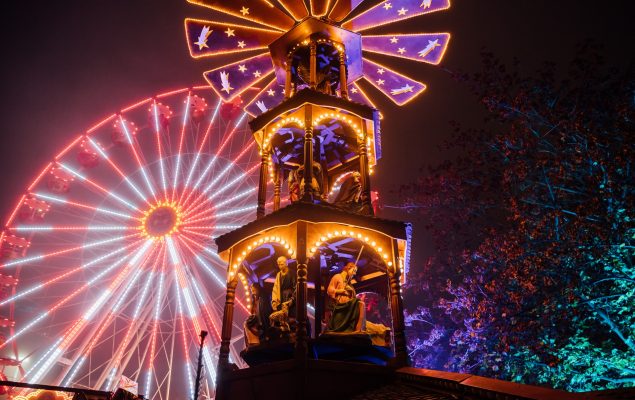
x,y
233,270
353,235
161,220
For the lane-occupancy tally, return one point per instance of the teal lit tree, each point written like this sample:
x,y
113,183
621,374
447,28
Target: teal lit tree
x,y
539,285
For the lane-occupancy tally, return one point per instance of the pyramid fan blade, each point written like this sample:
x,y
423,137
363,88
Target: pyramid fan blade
x,y
233,79
320,7
348,9
356,94
210,38
294,7
269,97
393,11
397,87
260,11
422,47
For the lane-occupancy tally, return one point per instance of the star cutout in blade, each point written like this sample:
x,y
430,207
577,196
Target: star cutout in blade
x,y
202,38
226,87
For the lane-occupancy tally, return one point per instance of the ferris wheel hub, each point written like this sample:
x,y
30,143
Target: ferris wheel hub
x,y
161,220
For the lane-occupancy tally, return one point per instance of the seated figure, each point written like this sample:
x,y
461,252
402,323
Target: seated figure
x,y
350,193
348,313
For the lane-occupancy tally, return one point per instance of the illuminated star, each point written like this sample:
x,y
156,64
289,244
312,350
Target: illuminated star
x,y
387,6
354,90
244,11
381,71
257,74
426,4
230,32
241,44
432,44
242,68
402,11
380,82
394,39
202,38
271,92
401,50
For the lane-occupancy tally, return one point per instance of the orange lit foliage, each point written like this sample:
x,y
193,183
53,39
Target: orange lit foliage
x,y
533,276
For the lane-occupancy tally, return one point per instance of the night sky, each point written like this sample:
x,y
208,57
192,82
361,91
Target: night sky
x,y
68,64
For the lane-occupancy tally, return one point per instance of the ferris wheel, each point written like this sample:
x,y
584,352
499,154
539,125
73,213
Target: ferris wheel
x,y
108,266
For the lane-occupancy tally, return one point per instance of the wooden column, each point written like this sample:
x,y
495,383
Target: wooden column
x,y
277,183
308,194
301,347
313,65
287,83
316,277
396,308
343,74
364,171
228,319
262,189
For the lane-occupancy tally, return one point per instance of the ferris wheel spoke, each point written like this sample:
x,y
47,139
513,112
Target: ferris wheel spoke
x,y
226,140
137,153
203,300
239,178
210,317
66,251
64,275
83,206
185,342
159,147
118,170
186,115
194,320
208,268
138,319
77,327
155,324
206,249
98,186
52,228
118,300
200,150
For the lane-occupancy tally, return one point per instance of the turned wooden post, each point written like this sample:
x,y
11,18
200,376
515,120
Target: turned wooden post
x,y
343,74
301,347
308,194
228,319
364,171
262,189
287,83
396,308
313,65
277,183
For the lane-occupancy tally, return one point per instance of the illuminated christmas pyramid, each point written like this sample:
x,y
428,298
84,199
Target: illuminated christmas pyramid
x,y
319,139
